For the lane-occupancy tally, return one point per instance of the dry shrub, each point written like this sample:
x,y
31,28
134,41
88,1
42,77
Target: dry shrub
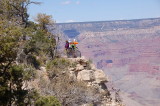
x,y
57,66
71,92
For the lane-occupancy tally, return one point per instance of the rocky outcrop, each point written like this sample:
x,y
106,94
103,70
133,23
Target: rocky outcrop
x,y
87,72
83,71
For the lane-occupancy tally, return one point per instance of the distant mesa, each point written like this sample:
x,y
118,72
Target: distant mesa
x,y
71,33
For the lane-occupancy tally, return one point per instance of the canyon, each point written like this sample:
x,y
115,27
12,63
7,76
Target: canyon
x,y
127,50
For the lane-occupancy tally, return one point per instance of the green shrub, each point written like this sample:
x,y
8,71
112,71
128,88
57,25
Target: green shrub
x,y
33,61
29,72
47,101
11,89
57,66
60,63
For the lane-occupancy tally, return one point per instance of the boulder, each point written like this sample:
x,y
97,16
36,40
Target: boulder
x,y
85,75
93,67
100,76
79,67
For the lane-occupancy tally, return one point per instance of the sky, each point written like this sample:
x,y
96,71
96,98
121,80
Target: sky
x,y
64,11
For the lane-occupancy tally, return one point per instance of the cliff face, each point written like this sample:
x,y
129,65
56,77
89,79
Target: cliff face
x,y
85,72
128,51
75,29
126,41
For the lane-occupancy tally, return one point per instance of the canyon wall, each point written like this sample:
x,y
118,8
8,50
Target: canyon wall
x,y
128,51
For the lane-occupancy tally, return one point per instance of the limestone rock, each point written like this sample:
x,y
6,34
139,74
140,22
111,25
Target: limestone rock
x,y
100,76
71,69
79,67
86,75
72,75
93,67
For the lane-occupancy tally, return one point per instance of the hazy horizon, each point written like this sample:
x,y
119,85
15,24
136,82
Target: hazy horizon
x,y
109,20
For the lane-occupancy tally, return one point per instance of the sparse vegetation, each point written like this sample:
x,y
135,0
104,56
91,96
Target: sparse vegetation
x,y
57,66
58,63
70,92
47,101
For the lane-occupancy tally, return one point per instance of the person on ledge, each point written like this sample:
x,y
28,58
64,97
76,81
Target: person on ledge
x,y
67,45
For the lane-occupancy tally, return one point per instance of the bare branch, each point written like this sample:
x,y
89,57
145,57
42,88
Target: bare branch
x,y
37,3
